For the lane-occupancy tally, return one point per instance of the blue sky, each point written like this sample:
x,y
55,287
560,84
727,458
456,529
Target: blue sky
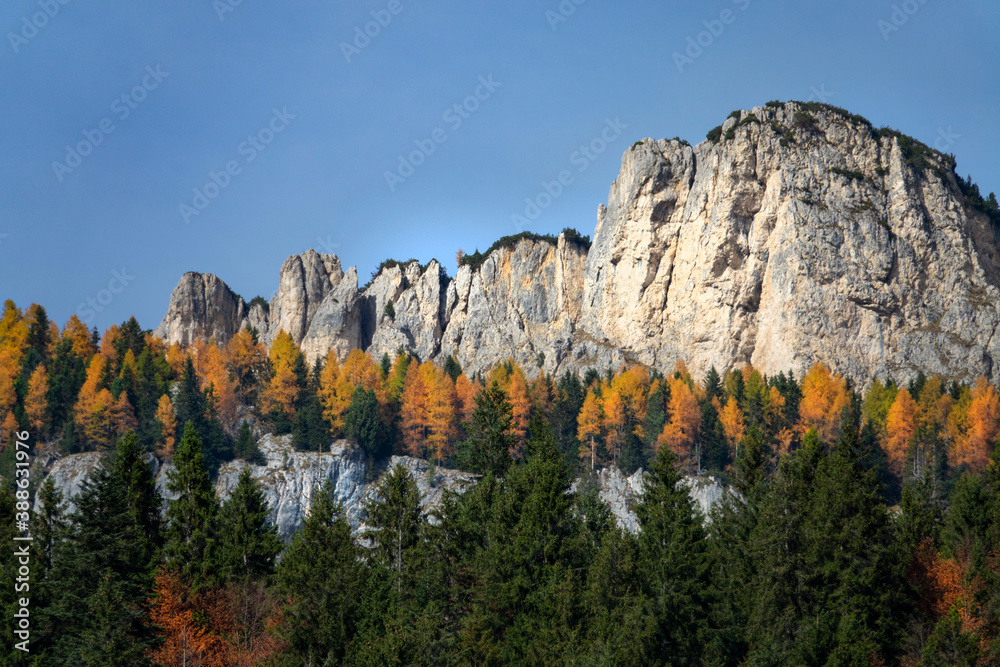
x,y
209,85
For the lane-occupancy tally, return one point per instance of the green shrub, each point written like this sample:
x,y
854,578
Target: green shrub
x,y
476,259
848,174
259,301
714,134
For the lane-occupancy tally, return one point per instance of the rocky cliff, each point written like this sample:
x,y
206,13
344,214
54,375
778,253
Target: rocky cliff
x,y
289,480
795,234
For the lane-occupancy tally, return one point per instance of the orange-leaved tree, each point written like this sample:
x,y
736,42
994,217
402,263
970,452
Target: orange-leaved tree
x,y
975,446
900,425
681,430
36,403
824,398
590,421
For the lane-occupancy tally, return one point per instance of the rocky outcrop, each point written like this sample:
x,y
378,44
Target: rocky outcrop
x,y
201,307
290,479
622,493
797,235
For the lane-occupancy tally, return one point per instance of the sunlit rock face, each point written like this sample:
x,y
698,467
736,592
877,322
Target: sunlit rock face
x,y
799,236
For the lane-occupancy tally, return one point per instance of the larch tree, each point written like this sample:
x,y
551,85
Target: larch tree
x,y
900,426
975,447
733,425
93,406
168,427
36,403
413,411
824,398
335,392
590,422
441,400
78,335
680,433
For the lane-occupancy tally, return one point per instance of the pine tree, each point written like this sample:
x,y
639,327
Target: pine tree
x,y
191,518
247,543
322,580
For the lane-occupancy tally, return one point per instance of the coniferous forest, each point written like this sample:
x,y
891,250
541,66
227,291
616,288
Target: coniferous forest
x,y
860,525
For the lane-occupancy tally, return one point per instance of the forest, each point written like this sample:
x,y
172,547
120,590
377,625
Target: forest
x,y
860,524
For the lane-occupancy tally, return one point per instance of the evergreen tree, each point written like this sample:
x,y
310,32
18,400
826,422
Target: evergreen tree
x,y
566,406
323,581
246,446
675,566
310,432
247,545
67,374
364,424
100,582
132,470
491,438
452,368
830,582
48,527
191,518
394,515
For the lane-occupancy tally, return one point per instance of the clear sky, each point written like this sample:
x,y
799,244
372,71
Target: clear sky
x,y
115,113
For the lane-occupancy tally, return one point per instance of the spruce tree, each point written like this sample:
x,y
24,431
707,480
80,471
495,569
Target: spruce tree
x,y
246,446
322,580
248,544
675,566
191,518
394,515
132,470
491,438
364,424
100,582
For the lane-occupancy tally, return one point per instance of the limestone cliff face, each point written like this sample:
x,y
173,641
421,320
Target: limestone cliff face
x,y
290,480
796,237
201,307
833,248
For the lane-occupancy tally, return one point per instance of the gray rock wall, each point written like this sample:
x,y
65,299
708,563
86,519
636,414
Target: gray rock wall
x,y
794,241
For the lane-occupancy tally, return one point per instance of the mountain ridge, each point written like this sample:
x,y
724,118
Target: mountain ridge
x,y
794,233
